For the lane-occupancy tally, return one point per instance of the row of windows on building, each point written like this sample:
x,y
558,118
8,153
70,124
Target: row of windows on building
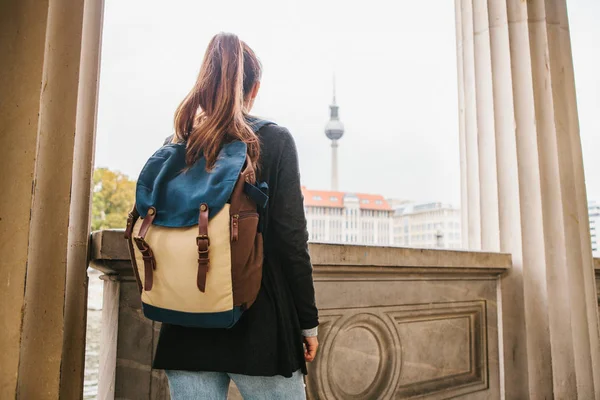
x,y
318,230
351,212
404,231
429,237
430,226
335,198
338,238
319,225
350,238
338,229
433,214
428,244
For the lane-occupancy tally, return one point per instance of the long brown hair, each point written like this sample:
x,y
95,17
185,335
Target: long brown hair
x,y
213,111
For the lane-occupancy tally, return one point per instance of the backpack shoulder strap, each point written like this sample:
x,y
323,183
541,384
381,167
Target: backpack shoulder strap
x,y
257,123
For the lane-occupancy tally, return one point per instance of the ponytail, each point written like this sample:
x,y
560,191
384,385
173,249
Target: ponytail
x,y
213,111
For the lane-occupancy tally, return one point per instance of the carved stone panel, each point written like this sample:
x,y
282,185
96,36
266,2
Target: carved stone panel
x,y
360,356
443,347
433,350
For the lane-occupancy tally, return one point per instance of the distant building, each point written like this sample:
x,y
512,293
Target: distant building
x,y
594,212
338,217
432,225
396,203
349,218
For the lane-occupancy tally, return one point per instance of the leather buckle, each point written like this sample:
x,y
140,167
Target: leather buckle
x,y
141,243
201,238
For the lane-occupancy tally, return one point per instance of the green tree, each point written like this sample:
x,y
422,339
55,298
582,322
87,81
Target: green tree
x,y
113,197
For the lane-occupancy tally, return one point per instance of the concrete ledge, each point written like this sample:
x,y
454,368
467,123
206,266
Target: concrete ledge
x,y
109,247
387,262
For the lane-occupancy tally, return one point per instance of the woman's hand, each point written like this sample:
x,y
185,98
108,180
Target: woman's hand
x,y
311,344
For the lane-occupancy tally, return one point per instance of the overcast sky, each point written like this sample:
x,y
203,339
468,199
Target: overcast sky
x,y
395,66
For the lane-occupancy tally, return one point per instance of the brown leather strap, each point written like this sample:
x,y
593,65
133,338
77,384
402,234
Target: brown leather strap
x,y
144,247
147,222
203,243
131,220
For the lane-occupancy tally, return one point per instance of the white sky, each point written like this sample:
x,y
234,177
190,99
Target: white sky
x,y
395,66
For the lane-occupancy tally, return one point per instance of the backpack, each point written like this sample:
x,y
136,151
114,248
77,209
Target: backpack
x,y
195,237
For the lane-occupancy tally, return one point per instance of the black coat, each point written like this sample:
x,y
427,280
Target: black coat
x,y
267,339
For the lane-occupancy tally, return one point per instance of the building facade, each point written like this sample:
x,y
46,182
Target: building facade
x,y
431,225
338,217
594,212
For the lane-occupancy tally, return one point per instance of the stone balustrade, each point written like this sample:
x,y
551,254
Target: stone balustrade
x,y
395,323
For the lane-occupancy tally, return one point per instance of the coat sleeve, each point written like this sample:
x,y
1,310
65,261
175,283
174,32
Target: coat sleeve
x,y
289,233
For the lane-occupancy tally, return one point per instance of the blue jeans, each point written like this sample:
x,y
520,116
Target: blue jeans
x,y
188,385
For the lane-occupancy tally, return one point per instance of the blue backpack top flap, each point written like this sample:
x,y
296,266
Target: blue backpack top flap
x,y
177,193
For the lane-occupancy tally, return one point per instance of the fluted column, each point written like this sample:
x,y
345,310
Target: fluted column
x,y
72,366
43,318
19,107
40,48
472,231
532,200
464,194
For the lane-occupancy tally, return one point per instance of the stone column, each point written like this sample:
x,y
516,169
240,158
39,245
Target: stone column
x,y
109,337
40,47
470,181
72,374
532,192
464,194
19,107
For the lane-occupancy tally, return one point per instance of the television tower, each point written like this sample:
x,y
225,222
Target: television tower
x,y
334,131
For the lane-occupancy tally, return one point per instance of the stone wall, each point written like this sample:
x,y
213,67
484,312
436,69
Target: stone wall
x,y
395,323
399,323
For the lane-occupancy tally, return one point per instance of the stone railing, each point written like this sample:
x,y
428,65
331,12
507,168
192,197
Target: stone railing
x,y
395,323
